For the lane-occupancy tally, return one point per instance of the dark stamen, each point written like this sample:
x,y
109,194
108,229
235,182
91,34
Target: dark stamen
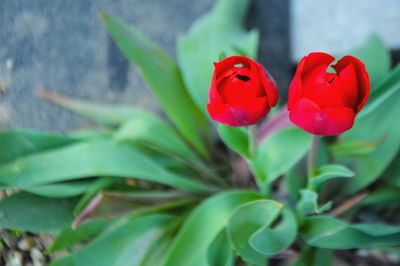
x,y
330,81
244,78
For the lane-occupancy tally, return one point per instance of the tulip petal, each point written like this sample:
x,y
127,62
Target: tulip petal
x,y
362,78
245,113
327,121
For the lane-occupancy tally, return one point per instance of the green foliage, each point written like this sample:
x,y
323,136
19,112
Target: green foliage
x,y
116,245
164,79
218,31
327,172
28,212
281,151
69,237
331,233
376,125
87,160
62,189
251,232
236,139
308,203
191,245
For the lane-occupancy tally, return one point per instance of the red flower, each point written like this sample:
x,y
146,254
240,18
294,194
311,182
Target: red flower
x,y
241,92
326,103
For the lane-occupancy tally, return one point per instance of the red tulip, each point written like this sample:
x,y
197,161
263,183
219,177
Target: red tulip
x,y
241,92
326,103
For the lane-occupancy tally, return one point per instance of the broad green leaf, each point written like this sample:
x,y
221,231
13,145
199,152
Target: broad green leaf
x,y
28,212
14,144
87,160
220,30
164,79
376,57
88,134
151,131
273,239
308,203
220,252
281,151
235,138
315,257
122,244
353,147
386,89
379,124
392,173
330,171
61,190
203,225
331,233
69,237
106,115
384,196
251,232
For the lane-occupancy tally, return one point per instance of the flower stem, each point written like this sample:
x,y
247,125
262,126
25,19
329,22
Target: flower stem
x,y
253,137
312,160
260,180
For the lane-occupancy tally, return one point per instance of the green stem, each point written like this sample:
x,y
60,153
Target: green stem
x,y
260,180
253,137
312,160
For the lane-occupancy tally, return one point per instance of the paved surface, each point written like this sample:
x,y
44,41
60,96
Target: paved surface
x,y
337,26
62,46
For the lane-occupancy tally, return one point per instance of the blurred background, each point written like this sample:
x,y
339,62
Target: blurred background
x,y
62,46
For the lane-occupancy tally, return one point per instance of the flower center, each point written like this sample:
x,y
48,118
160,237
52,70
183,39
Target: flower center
x,y
242,77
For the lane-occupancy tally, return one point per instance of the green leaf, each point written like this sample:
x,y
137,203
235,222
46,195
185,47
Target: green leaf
x,y
28,212
308,203
96,186
87,160
151,131
330,171
204,223
384,196
164,79
315,257
352,147
69,237
106,115
220,252
281,151
376,57
61,190
14,144
273,239
331,233
124,243
386,89
378,124
219,31
252,234
235,138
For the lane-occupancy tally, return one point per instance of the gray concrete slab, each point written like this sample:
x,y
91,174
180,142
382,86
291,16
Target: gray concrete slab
x,y
62,46
337,26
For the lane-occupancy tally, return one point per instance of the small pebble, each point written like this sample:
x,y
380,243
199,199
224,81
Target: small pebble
x,y
393,258
37,257
14,258
25,244
362,253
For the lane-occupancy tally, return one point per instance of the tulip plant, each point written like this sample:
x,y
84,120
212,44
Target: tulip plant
x,y
230,177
